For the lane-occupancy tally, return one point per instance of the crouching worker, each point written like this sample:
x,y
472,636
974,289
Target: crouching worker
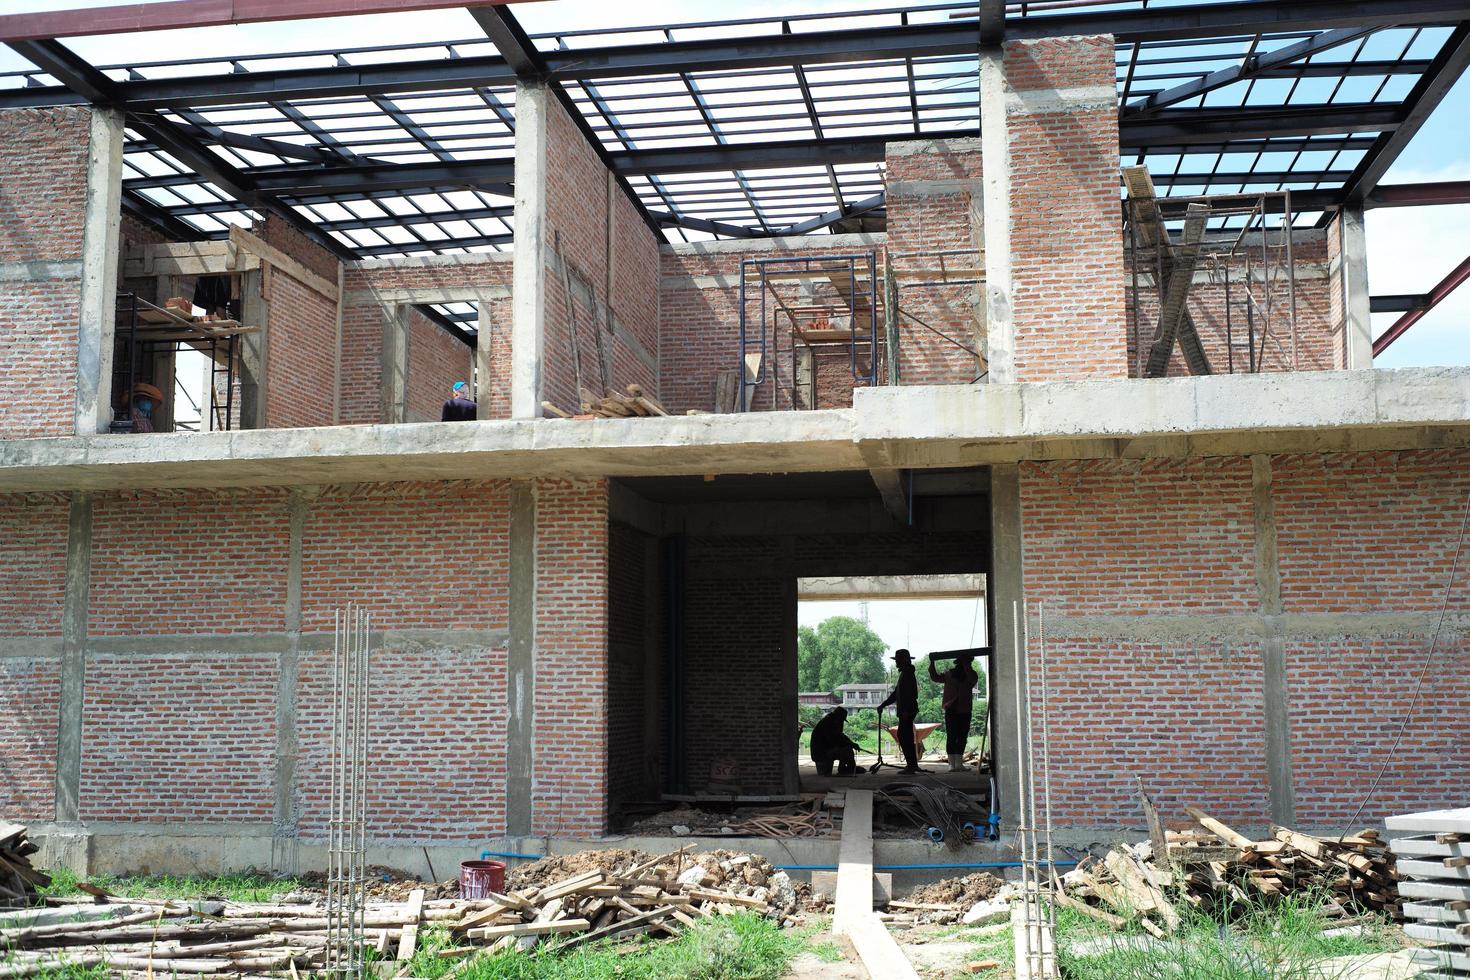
x,y
830,744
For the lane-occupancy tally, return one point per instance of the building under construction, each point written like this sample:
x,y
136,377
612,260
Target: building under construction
x,y
1068,299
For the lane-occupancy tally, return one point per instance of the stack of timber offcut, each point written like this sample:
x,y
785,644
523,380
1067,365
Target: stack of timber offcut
x,y
614,405
1216,866
18,880
659,896
1434,862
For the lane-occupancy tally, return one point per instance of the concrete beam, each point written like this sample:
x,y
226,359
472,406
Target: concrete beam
x,y
101,220
890,488
528,293
898,428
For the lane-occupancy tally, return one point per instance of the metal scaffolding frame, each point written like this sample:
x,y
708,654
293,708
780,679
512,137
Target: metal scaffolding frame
x,y
747,127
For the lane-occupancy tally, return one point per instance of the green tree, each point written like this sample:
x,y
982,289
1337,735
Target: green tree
x,y
840,650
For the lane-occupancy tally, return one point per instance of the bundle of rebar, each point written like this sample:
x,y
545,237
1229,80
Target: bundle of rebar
x,y
346,903
1034,920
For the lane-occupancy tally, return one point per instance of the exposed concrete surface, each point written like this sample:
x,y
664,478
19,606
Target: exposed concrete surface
x,y
520,680
101,221
995,175
73,658
904,427
1276,698
528,290
1357,308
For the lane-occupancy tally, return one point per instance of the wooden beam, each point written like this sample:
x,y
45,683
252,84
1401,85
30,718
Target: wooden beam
x,y
208,258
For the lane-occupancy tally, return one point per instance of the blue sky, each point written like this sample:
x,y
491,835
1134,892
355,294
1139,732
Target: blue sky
x,y
1410,249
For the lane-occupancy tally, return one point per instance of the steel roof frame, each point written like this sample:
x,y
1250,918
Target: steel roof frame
x,y
797,95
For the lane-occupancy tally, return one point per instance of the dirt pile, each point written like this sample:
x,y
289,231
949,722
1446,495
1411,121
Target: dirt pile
x,y
964,891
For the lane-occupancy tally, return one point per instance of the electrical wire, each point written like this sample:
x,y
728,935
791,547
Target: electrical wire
x,y
1424,673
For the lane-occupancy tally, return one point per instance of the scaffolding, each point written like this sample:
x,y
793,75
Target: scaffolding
x,y
147,330
803,309
929,269
1249,258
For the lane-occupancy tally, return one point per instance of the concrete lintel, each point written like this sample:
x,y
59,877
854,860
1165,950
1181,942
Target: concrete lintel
x,y
31,647
101,222
829,587
528,293
40,270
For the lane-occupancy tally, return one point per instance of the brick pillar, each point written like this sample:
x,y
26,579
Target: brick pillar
x,y
1061,113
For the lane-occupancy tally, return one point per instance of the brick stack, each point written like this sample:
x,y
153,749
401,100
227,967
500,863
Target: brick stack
x,y
1434,861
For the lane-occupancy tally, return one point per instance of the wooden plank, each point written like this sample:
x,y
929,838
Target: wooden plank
x,y
408,941
530,929
854,899
1113,921
1218,829
875,946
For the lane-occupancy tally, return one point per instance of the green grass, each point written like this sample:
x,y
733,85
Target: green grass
x,y
1282,941
240,886
728,947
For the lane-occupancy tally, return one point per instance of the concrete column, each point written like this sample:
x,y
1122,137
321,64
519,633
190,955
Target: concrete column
x,y
101,220
521,661
484,371
653,658
528,295
285,817
1352,258
1273,648
73,658
395,365
1004,592
254,347
995,178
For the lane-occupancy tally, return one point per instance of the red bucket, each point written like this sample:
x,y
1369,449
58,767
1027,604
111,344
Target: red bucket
x,y
477,879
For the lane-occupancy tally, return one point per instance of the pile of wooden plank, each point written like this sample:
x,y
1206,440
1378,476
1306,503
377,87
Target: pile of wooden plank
x,y
658,896
1434,862
18,880
614,405
1216,867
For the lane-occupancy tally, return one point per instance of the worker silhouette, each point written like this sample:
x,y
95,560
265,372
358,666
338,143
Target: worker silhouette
x,y
905,701
959,698
830,744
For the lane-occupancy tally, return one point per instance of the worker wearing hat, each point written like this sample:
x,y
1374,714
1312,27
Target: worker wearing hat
x,y
905,701
146,398
460,407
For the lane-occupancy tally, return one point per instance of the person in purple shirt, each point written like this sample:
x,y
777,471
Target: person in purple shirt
x,y
458,408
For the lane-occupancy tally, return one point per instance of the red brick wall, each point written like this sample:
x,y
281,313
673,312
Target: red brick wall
x,y
362,329
570,778
172,739
43,155
1132,539
188,562
431,555
1066,229
30,704
33,532
1318,339
933,197
583,216
300,353
436,359
437,743
1108,545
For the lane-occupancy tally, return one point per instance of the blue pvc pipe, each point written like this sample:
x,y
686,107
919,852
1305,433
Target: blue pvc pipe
x,y
486,855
